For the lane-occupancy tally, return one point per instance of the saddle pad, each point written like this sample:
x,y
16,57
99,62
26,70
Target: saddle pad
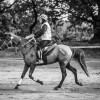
x,y
49,48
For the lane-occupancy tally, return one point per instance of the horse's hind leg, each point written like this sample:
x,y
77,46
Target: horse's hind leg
x,y
63,70
22,76
74,72
32,68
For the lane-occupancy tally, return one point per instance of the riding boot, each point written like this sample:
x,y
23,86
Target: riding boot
x,y
39,56
41,61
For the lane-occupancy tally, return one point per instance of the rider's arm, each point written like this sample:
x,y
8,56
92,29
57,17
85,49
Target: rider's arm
x,y
42,31
29,36
39,33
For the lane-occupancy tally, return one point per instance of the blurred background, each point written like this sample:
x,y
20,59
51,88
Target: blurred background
x,y
73,22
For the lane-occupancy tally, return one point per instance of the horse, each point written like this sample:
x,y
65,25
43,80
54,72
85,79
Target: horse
x,y
60,53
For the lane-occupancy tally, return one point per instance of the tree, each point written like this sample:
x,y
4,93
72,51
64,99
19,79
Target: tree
x,y
27,12
78,11
22,14
84,11
5,16
35,12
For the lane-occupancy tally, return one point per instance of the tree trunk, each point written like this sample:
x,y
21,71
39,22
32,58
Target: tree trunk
x,y
96,29
96,26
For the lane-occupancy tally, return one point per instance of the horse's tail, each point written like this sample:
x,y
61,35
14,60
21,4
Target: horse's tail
x,y
79,56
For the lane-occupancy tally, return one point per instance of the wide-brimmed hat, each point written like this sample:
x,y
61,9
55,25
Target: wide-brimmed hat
x,y
43,16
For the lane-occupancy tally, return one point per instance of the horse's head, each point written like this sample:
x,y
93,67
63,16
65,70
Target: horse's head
x,y
13,38
20,41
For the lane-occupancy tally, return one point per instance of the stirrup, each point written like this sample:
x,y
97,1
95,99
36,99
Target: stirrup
x,y
39,62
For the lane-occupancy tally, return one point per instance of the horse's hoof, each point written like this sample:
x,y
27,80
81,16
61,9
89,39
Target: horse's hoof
x,y
41,82
80,84
56,88
16,87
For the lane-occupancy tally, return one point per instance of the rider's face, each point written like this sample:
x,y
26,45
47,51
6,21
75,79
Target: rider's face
x,y
40,20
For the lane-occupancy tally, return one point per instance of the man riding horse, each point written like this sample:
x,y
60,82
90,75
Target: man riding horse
x,y
44,33
60,53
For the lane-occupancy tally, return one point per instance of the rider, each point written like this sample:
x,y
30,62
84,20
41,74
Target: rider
x,y
44,33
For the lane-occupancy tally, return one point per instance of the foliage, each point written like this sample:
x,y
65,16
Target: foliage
x,y
18,15
87,11
23,13
78,11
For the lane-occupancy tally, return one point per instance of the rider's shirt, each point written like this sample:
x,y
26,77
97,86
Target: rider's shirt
x,y
47,35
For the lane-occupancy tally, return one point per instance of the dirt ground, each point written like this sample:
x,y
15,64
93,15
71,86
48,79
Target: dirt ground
x,y
11,69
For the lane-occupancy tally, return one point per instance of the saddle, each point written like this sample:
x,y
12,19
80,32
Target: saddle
x,y
46,50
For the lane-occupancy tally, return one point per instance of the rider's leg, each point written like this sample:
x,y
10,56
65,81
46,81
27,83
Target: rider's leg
x,y
41,46
39,54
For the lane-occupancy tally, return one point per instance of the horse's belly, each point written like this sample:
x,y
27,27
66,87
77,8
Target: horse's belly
x,y
51,59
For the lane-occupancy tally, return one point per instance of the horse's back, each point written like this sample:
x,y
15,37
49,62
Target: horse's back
x,y
65,49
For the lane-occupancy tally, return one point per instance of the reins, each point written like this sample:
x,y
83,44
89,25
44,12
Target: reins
x,y
30,41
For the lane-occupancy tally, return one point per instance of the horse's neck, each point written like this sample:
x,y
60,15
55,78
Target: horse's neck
x,y
25,49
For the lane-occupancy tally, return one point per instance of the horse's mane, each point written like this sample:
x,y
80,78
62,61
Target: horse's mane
x,y
21,39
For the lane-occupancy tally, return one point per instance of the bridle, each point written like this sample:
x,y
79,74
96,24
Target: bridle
x,y
32,39
19,43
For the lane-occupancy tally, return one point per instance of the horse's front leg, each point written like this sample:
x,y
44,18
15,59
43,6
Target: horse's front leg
x,y
32,68
22,76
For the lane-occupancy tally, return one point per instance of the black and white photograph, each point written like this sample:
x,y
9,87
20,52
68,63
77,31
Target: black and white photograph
x,y
49,49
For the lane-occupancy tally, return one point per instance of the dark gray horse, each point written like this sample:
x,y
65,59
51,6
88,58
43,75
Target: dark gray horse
x,y
60,53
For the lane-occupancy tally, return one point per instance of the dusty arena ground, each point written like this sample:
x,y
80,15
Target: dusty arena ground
x,y
11,69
